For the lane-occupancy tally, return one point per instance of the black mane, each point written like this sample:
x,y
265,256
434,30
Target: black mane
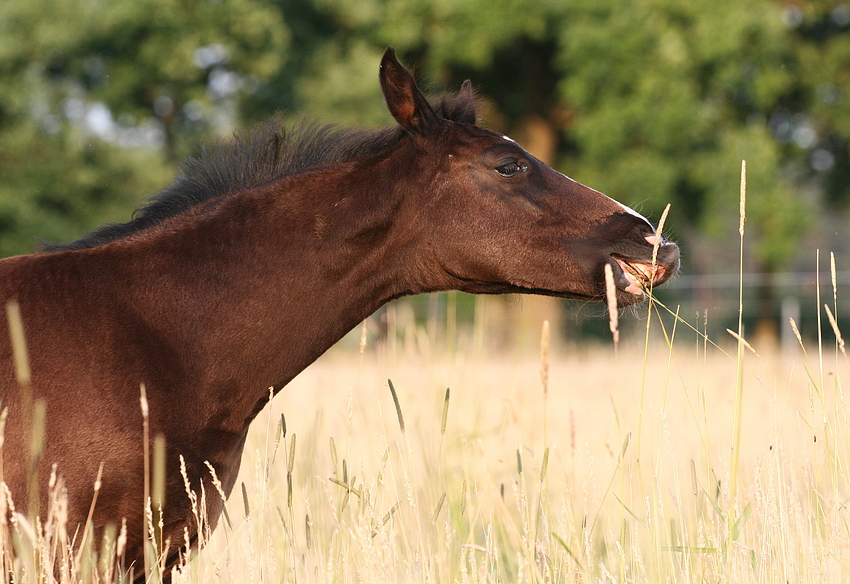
x,y
268,152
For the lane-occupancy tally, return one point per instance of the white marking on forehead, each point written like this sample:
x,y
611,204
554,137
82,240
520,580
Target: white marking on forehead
x,y
509,139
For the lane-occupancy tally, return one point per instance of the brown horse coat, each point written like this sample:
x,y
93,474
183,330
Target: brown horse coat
x,y
260,257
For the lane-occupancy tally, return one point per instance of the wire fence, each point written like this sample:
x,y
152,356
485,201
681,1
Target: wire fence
x,y
769,301
450,320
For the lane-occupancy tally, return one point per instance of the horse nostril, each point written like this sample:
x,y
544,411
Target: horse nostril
x,y
652,239
646,231
668,254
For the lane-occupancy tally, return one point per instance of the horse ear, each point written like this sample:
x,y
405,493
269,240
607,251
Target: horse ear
x,y
466,98
404,100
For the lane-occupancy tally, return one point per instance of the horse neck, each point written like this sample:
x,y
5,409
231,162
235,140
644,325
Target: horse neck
x,y
261,287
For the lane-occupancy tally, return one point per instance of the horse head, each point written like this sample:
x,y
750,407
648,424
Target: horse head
x,y
495,219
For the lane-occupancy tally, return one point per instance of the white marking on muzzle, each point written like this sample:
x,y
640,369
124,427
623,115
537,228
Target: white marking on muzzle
x,y
625,208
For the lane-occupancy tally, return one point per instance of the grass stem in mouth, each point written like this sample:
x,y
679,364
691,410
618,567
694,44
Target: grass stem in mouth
x,y
611,296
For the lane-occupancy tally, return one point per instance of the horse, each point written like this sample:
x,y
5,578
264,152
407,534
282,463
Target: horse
x,y
262,254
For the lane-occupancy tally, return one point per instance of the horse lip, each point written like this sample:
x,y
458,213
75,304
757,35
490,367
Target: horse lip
x,y
633,281
640,276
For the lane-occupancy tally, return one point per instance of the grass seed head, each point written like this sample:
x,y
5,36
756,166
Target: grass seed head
x,y
19,345
289,491
291,462
795,330
397,405
445,412
834,277
463,498
439,507
143,400
658,233
743,341
835,329
545,465
245,500
611,296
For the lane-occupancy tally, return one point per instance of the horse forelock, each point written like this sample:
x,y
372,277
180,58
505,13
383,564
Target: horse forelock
x,y
268,152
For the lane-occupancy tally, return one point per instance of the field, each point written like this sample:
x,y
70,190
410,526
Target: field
x,y
669,460
634,466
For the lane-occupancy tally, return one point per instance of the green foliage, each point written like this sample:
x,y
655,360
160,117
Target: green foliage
x,y
667,110
99,100
651,101
57,187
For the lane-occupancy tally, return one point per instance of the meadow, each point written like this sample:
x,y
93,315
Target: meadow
x,y
677,462
672,459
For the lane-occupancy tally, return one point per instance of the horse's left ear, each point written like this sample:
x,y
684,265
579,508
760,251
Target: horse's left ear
x,y
404,100
466,99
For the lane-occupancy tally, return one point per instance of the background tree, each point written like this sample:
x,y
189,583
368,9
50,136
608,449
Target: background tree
x,y
99,100
652,101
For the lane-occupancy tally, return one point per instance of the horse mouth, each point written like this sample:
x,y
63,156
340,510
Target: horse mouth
x,y
641,276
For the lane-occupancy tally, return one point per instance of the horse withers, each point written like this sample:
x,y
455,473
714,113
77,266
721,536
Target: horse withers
x,y
261,255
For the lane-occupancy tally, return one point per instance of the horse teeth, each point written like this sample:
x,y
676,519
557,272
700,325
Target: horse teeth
x,y
640,275
648,273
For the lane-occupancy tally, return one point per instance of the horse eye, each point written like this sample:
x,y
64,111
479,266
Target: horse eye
x,y
511,168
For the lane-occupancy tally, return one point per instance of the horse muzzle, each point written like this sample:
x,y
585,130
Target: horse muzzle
x,y
637,276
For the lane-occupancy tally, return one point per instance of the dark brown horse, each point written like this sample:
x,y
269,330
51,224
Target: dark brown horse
x,y
262,255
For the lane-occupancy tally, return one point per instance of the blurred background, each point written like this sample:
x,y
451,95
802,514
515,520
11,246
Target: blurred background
x,y
652,102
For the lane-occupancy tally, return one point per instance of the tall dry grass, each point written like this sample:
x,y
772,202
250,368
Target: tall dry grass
x,y
583,483
588,466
